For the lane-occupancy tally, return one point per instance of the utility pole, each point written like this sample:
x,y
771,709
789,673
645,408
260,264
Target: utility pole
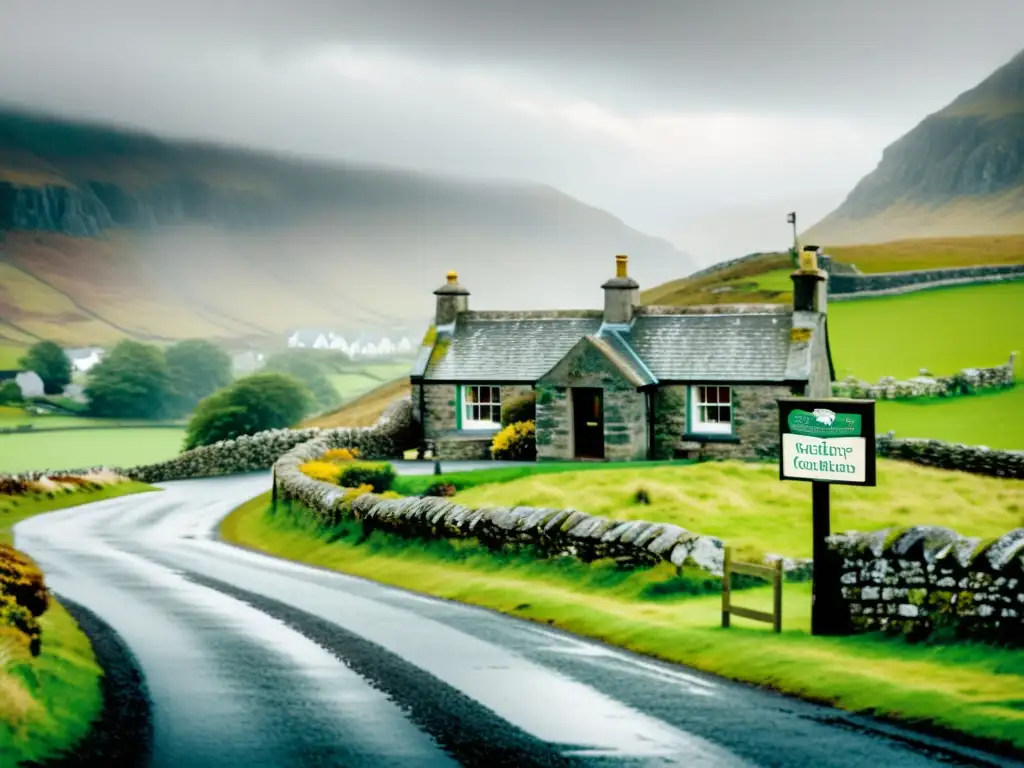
x,y
794,252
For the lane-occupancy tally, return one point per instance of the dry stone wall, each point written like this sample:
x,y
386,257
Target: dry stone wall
x,y
932,582
966,382
977,459
842,284
549,532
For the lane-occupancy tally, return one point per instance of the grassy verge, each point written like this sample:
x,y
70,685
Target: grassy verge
x,y
746,505
89,447
47,704
991,418
963,689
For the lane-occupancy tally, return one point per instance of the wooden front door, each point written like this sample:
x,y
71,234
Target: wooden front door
x,y
588,423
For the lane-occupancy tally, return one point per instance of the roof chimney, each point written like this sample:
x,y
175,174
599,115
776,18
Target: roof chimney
x,y
621,295
452,299
810,283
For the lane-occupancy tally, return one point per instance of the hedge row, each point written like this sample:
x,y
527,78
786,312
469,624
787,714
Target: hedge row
x,y
23,599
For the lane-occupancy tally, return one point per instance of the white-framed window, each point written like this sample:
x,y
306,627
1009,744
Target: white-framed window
x,y
710,409
481,406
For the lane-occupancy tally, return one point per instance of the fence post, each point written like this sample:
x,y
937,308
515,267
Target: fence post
x,y
777,606
725,587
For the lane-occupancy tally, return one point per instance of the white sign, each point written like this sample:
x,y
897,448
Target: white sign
x,y
841,459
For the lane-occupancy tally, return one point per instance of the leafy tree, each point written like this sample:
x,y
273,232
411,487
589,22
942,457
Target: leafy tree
x,y
132,382
310,367
53,366
252,404
10,393
198,369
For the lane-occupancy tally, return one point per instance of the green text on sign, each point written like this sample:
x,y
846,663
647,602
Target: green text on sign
x,y
824,423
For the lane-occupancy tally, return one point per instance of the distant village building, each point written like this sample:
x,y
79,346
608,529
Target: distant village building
x,y
355,344
84,358
28,382
629,382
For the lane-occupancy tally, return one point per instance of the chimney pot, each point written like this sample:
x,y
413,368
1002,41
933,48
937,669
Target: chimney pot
x,y
620,265
453,277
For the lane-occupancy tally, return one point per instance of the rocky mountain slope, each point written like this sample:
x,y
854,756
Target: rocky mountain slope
x,y
959,172
106,232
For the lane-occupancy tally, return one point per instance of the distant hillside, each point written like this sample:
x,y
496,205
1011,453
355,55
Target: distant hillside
x,y
106,232
765,277
960,172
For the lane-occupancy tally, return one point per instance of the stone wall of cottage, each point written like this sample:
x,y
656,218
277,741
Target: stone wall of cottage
x,y
625,409
820,384
439,409
931,581
669,420
440,403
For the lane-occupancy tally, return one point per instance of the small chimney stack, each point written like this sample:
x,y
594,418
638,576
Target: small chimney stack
x,y
621,295
810,282
452,299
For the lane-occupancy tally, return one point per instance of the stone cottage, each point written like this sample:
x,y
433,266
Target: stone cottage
x,y
629,382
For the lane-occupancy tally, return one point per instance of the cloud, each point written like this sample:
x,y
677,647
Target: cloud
x,y
663,112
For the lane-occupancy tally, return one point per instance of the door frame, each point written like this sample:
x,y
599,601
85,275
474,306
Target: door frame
x,y
572,420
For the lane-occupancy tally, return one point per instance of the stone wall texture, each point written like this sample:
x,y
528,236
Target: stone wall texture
x,y
976,459
897,282
548,532
931,582
967,382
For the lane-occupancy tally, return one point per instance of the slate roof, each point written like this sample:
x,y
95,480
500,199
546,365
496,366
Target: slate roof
x,y
679,346
713,347
520,348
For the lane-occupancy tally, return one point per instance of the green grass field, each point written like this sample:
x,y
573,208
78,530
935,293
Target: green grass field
x,y
48,704
746,506
954,688
68,449
943,330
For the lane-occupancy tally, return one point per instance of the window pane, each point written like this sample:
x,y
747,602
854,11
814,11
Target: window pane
x,y
485,394
723,394
496,395
471,394
710,394
726,414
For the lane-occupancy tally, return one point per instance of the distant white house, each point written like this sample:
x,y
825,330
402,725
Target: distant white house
x,y
404,346
84,358
309,339
337,341
28,382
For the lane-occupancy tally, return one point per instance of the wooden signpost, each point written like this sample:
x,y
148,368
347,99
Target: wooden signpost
x,y
825,442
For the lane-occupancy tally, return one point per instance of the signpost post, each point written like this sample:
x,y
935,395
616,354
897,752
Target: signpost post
x,y
829,441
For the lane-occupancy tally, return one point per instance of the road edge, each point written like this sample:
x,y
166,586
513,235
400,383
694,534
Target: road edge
x,y
927,736
122,735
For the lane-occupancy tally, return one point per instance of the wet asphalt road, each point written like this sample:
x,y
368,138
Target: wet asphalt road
x,y
253,661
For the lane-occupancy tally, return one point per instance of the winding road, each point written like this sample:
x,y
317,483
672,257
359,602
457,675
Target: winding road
x,y
252,661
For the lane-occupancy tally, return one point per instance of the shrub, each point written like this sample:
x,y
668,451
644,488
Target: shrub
x,y
321,470
518,409
10,393
13,486
378,475
17,616
21,579
516,442
440,489
341,454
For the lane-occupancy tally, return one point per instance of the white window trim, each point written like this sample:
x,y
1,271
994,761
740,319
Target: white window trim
x,y
475,424
699,427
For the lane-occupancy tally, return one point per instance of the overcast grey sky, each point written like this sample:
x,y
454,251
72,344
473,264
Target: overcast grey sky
x,y
704,122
